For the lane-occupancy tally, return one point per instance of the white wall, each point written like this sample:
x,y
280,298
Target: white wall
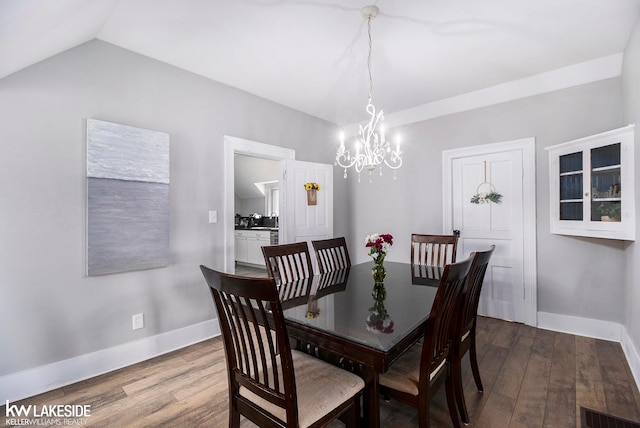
x,y
49,310
249,206
581,277
631,86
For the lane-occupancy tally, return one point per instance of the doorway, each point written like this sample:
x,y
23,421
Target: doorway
x,y
233,146
510,287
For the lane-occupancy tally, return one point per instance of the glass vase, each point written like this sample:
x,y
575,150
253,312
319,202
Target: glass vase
x,y
378,271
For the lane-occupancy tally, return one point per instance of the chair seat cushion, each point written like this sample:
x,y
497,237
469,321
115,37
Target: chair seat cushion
x,y
320,388
404,374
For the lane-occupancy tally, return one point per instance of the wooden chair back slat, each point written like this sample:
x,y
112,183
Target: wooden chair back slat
x,y
433,250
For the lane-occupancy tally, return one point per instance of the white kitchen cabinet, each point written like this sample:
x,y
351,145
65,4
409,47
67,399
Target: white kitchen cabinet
x,y
241,247
592,186
249,245
255,244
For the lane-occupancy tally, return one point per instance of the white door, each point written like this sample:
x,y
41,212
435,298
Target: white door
x,y
504,292
305,222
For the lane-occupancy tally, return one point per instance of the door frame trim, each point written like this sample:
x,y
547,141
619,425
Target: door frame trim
x,y
527,147
233,146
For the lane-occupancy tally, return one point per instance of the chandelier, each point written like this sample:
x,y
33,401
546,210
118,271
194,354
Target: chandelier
x,y
372,149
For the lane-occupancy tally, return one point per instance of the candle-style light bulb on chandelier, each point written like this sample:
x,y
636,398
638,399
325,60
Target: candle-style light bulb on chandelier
x,y
372,149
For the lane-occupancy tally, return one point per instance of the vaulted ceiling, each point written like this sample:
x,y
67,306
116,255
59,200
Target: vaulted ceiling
x,y
311,55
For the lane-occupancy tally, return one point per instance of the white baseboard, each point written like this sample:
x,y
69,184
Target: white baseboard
x,y
633,358
598,329
27,383
588,327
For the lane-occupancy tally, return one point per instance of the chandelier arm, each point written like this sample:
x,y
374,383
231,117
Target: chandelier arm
x,y
345,156
398,161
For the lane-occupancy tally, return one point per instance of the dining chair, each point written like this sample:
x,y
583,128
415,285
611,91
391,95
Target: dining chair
x,y
433,250
464,329
288,262
422,369
269,383
332,254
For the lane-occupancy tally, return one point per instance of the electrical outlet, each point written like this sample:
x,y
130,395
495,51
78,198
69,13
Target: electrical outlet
x,y
138,321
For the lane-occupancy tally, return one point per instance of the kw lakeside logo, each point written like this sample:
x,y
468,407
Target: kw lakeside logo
x,y
56,414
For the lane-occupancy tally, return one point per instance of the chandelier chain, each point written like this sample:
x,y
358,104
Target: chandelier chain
x,y
369,59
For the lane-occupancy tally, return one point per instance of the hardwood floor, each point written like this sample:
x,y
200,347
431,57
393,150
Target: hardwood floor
x,y
251,271
532,378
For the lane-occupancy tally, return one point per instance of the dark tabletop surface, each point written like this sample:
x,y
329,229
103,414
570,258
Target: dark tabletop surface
x,y
347,308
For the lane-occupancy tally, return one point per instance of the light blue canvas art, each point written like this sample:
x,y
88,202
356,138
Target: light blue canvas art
x,y
127,198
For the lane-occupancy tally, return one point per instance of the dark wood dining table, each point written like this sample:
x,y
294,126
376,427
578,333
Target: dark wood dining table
x,y
339,320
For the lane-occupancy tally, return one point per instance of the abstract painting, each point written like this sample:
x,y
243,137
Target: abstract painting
x,y
127,198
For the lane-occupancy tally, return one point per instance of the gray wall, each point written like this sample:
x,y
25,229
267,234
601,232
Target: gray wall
x,y
631,85
576,276
49,309
249,206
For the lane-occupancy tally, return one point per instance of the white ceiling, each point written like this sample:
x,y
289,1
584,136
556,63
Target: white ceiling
x,y
249,170
311,54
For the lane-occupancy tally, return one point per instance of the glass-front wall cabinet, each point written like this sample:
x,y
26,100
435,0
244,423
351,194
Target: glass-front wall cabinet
x,y
587,180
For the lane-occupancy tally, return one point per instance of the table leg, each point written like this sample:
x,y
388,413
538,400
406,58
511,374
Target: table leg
x,y
371,399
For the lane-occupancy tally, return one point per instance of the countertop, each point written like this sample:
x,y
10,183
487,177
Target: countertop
x,y
257,228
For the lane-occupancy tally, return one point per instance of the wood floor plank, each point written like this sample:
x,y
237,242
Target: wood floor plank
x,y
617,388
497,412
195,410
532,398
506,335
125,414
563,368
589,382
490,364
177,373
510,378
561,403
561,396
215,376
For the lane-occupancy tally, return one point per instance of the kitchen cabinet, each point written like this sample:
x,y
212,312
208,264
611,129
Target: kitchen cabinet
x,y
249,245
241,247
592,186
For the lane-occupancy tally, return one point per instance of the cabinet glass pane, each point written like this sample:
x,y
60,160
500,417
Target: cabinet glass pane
x,y
605,156
571,211
606,191
606,184
571,179
571,162
571,187
606,211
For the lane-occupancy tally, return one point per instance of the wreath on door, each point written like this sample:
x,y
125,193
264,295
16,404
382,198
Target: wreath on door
x,y
486,197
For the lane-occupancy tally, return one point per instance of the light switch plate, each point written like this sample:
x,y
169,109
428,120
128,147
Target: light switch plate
x,y
137,321
213,216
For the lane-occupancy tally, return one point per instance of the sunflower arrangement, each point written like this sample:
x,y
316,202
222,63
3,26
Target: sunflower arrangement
x,y
311,186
